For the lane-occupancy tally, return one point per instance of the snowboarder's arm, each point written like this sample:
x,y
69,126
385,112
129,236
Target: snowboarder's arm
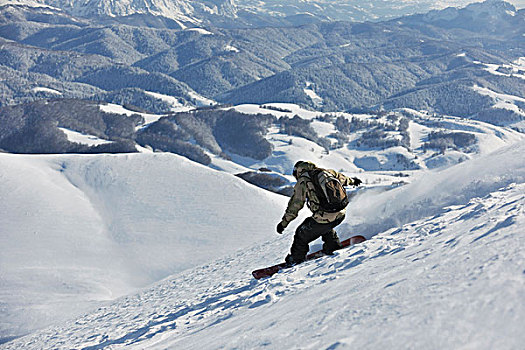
x,y
345,180
295,204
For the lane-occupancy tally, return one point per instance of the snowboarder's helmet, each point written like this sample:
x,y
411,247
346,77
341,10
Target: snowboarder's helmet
x,y
301,166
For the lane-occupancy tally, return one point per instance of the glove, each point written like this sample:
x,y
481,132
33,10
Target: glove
x,y
280,228
357,181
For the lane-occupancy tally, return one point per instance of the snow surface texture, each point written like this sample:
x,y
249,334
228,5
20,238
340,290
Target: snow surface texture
x,y
80,230
447,273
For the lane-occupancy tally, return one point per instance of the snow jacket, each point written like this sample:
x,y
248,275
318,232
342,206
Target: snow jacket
x,y
304,192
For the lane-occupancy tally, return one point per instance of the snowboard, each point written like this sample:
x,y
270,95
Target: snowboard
x,y
270,271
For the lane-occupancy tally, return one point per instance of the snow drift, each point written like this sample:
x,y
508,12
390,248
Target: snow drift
x,y
79,230
433,192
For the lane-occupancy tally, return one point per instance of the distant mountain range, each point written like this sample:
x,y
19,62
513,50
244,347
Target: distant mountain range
x,y
237,13
465,62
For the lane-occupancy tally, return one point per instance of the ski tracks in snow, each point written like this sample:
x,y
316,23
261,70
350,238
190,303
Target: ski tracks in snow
x,y
183,309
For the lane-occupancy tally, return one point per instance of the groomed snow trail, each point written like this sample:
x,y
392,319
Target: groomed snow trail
x,y
454,278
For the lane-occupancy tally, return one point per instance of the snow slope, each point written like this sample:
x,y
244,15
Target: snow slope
x,y
434,191
444,268
80,230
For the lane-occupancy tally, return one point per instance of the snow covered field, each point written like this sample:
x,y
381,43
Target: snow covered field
x,y
80,230
450,273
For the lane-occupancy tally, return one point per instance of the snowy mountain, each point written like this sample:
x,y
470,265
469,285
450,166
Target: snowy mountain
x,y
487,10
481,16
467,66
146,149
442,268
340,10
130,220
183,12
404,140
238,13
251,137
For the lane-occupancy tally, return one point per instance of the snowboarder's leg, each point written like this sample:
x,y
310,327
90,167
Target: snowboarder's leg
x,y
305,233
331,240
308,232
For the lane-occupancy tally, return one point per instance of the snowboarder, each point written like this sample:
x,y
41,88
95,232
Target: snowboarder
x,y
323,221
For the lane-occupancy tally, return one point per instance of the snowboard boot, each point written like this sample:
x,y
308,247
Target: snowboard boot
x,y
331,242
290,261
327,252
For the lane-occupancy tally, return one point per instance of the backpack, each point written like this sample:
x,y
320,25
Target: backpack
x,y
329,190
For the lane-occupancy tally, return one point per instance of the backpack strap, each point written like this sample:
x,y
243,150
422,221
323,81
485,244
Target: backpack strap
x,y
310,176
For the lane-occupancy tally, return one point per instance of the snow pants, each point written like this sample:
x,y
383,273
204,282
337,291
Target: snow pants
x,y
308,232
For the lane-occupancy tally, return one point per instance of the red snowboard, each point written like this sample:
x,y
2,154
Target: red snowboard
x,y
270,271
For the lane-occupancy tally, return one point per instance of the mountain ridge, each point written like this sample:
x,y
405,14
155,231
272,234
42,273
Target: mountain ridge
x,y
329,66
235,13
